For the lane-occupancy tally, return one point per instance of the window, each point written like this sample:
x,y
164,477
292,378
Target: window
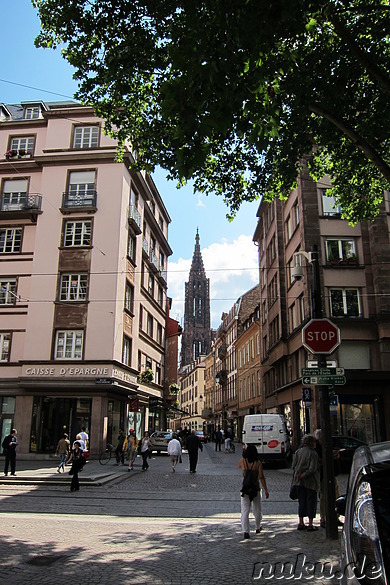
x,y
161,264
73,287
10,240
161,223
149,326
160,298
81,184
7,292
77,233
23,144
129,298
340,250
273,290
345,302
32,112
86,137
159,334
274,331
296,214
158,374
126,353
289,227
69,345
329,205
151,285
131,248
141,311
5,341
14,194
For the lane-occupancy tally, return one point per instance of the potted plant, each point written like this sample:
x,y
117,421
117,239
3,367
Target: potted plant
x,y
146,376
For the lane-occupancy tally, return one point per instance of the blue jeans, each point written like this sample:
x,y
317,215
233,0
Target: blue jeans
x,y
63,458
307,502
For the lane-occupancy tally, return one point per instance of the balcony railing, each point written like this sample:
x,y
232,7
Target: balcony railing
x,y
82,200
21,202
135,219
153,259
145,246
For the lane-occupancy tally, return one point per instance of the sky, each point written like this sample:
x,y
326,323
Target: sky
x,y
229,254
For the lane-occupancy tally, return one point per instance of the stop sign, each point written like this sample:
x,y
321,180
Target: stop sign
x,y
321,336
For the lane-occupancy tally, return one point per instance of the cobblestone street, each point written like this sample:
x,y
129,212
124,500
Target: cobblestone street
x,y
155,527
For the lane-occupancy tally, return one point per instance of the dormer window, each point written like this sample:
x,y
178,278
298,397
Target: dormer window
x,y
32,112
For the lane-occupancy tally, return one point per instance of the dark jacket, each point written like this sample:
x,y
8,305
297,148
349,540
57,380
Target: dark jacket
x,y
9,443
193,443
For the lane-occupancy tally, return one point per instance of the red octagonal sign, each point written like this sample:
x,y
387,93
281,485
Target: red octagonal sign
x,y
321,336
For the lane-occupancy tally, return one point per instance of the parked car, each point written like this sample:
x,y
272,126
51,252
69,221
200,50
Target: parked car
x,y
201,436
365,539
160,440
343,449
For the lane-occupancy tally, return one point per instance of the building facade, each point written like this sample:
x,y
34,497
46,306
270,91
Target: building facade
x,y
83,260
196,338
192,395
354,280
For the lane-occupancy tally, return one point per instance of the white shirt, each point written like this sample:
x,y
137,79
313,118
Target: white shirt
x,y
174,447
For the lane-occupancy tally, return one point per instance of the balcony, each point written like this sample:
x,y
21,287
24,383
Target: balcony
x,y
145,246
163,275
222,351
17,154
153,260
20,206
81,201
135,220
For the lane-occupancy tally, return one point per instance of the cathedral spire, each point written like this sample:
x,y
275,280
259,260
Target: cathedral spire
x,y
196,337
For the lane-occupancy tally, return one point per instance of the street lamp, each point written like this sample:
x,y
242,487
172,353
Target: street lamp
x,y
323,393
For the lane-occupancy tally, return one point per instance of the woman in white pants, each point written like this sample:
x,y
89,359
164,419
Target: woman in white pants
x,y
252,471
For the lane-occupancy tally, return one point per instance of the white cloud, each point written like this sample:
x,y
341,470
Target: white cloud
x,y
232,268
200,201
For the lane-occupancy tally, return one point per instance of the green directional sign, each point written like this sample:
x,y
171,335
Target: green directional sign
x,y
324,380
322,371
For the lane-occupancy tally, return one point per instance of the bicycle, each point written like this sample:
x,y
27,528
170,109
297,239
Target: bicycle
x,y
106,455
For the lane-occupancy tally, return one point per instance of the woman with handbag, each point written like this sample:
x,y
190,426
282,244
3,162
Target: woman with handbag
x,y
146,447
252,471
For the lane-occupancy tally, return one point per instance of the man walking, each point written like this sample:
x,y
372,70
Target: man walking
x,y
218,439
9,446
193,444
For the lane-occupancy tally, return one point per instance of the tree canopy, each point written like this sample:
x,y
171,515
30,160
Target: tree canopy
x,y
234,93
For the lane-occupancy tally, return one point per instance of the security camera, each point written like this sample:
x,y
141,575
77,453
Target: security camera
x,y
297,273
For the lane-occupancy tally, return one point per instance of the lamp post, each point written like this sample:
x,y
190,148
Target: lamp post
x,y
328,492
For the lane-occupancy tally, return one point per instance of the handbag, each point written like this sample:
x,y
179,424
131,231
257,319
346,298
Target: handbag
x,y
293,492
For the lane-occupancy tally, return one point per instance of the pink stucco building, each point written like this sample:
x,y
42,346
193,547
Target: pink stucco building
x,y
83,260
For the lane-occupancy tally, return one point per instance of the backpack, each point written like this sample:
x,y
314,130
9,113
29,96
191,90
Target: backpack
x,y
250,484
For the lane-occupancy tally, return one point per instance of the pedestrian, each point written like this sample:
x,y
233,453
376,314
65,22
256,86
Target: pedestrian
x,y
174,451
307,479
227,444
119,454
132,448
85,437
218,439
318,437
9,445
146,447
63,448
81,442
78,461
193,444
253,473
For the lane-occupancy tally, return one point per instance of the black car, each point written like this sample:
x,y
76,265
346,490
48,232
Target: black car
x,y
343,449
365,539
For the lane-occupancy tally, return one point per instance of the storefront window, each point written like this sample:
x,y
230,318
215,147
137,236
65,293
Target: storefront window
x,y
7,411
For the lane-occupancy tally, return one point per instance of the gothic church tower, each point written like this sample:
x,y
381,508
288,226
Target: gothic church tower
x,y
196,337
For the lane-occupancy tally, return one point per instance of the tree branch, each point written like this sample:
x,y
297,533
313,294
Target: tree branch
x,y
362,56
354,137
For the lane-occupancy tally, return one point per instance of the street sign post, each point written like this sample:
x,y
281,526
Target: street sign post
x,y
324,380
321,336
322,371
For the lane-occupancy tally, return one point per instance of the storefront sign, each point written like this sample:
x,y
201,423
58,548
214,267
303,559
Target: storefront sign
x,y
124,376
71,371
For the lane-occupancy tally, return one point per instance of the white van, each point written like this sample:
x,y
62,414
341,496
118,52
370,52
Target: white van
x,y
269,433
